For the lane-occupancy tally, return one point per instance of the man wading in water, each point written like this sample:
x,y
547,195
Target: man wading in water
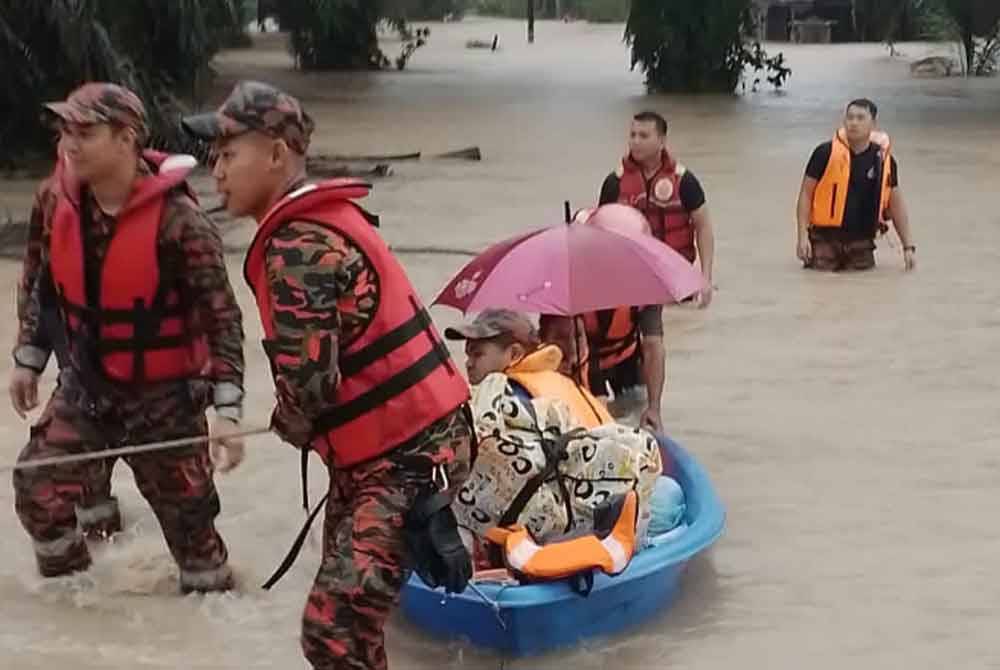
x,y
153,337
362,376
849,194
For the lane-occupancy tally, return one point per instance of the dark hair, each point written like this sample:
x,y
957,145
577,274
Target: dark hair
x,y
661,123
865,103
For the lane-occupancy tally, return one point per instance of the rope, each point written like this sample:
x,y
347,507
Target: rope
x,y
446,251
123,451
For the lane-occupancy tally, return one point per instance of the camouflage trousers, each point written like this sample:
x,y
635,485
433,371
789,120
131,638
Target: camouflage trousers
x,y
835,253
364,553
52,502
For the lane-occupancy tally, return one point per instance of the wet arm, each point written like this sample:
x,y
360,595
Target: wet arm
x,y
705,240
654,360
33,346
804,208
900,216
218,313
654,356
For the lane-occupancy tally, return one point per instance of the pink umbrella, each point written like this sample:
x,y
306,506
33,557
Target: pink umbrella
x,y
601,261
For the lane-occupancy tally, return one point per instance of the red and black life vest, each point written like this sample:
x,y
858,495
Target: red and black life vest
x,y
613,335
137,328
659,199
396,378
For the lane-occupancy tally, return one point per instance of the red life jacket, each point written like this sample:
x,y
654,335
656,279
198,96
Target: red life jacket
x,y
613,335
396,378
659,198
136,330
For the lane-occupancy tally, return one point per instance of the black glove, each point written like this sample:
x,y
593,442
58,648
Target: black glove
x,y
437,553
455,562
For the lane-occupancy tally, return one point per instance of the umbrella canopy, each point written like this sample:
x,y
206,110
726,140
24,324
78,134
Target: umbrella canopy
x,y
601,261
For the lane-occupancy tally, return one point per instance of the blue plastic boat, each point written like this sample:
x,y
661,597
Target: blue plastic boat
x,y
541,617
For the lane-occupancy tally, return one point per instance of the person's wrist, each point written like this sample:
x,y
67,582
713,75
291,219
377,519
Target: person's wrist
x,y
30,357
229,413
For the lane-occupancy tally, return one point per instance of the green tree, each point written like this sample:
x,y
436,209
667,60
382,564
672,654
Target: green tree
x,y
343,34
159,49
973,19
974,24
696,46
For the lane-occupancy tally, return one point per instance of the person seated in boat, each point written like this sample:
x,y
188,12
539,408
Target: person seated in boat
x,y
505,341
549,456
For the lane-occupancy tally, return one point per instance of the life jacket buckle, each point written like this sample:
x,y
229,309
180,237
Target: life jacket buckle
x,y
439,477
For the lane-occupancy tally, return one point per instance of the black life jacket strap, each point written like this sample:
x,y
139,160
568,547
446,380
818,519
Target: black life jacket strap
x,y
293,553
555,450
375,397
351,364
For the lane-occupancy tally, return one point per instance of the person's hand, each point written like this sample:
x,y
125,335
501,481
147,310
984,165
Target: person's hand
x,y
910,259
23,390
704,297
651,420
225,449
804,250
292,427
456,563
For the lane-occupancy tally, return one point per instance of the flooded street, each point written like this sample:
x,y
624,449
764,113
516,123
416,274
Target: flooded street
x,y
849,423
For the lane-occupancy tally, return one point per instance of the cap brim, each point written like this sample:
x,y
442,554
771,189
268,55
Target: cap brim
x,y
454,334
72,113
469,332
203,126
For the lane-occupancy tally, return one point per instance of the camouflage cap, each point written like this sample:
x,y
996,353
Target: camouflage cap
x,y
254,105
494,323
103,102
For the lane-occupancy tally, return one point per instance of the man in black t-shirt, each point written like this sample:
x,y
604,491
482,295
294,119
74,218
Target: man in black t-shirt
x,y
626,345
849,194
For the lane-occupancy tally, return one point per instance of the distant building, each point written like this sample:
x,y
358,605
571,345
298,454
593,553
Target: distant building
x,y
804,20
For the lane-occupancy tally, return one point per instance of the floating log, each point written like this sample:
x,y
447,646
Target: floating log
x,y
375,158
468,153
325,166
483,44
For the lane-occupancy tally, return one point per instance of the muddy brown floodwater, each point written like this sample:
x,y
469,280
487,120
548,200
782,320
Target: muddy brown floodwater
x,y
849,423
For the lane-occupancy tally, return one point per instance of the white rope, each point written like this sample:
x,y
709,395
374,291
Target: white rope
x,y
125,451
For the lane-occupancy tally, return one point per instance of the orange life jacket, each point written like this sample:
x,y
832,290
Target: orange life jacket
x,y
613,335
537,373
659,199
396,378
138,329
830,197
558,560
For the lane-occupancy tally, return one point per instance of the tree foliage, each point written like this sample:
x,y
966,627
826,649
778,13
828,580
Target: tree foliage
x,y
343,34
974,24
696,46
159,49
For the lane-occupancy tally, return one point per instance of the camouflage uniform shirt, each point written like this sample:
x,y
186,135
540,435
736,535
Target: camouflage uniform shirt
x,y
325,294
